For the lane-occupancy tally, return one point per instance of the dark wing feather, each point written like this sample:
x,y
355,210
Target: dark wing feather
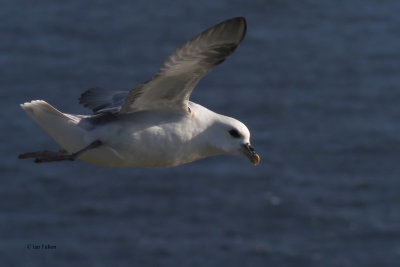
x,y
99,99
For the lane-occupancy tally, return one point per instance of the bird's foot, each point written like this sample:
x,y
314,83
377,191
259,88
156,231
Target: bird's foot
x,y
62,155
48,156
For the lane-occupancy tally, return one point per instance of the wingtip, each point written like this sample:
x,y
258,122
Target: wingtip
x,y
237,18
240,22
243,20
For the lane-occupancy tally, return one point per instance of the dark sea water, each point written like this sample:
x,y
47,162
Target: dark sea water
x,y
317,83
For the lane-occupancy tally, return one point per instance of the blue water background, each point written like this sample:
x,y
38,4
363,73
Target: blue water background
x,y
316,82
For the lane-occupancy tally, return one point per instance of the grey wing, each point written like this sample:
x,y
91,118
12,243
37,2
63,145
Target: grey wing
x,y
173,84
102,100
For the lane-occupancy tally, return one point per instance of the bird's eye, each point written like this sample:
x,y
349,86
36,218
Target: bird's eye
x,y
235,133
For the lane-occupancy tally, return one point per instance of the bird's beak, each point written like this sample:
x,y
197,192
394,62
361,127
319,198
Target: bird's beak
x,y
251,154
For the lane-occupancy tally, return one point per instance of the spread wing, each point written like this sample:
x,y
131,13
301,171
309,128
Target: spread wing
x,y
175,81
173,84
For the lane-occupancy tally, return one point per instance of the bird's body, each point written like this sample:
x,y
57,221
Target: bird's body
x,y
153,125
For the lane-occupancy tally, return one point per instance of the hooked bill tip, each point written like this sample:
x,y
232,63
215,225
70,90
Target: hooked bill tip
x,y
256,160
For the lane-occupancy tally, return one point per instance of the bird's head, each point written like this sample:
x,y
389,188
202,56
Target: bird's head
x,y
233,138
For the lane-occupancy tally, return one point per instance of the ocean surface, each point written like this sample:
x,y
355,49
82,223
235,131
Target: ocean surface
x,y
316,82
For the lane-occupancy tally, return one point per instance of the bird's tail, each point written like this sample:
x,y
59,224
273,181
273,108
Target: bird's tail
x,y
63,128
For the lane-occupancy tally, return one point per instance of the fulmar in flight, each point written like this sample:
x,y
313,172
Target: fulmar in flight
x,y
153,124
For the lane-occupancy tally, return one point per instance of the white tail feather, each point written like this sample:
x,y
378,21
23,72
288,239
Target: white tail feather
x,y
63,128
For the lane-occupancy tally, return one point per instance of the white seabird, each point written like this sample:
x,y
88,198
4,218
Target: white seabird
x,y
154,124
